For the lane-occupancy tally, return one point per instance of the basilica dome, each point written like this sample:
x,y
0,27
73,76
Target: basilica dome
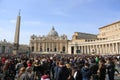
x,y
53,33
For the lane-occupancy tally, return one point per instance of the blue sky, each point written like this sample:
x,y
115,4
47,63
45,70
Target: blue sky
x,y
67,16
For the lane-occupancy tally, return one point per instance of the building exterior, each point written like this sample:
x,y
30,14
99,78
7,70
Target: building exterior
x,y
78,41
51,43
106,42
7,47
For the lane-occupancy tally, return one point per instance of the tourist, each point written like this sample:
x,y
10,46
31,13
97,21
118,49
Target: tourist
x,y
46,76
86,72
63,72
102,70
23,74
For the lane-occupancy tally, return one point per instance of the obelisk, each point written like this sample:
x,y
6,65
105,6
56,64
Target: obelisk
x,y
16,37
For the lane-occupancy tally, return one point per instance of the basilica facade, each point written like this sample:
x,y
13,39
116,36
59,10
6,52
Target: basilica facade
x,y
107,41
51,43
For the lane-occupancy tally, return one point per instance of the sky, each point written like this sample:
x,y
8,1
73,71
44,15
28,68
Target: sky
x,y
67,17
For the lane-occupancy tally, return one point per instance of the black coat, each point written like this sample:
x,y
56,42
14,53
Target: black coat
x,y
63,73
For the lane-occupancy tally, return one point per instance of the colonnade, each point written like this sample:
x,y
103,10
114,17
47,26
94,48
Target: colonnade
x,y
50,47
103,48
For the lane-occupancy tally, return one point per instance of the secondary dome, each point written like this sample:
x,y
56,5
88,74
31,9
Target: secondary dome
x,y
53,33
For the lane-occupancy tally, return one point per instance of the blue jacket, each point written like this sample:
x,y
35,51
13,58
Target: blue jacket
x,y
86,73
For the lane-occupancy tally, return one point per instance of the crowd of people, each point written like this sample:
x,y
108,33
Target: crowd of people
x,y
58,67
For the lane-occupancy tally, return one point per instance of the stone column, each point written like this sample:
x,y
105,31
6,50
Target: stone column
x,y
43,48
116,48
102,51
38,47
46,46
52,46
88,49
99,52
82,49
113,48
109,48
85,49
49,46
61,46
106,48
75,49
35,47
57,47
96,49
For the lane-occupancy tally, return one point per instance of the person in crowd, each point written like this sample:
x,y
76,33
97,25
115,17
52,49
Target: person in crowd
x,y
94,69
77,73
30,73
110,68
46,76
29,64
6,75
12,71
23,75
56,70
19,65
86,72
102,70
63,72
70,72
82,67
37,70
53,65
